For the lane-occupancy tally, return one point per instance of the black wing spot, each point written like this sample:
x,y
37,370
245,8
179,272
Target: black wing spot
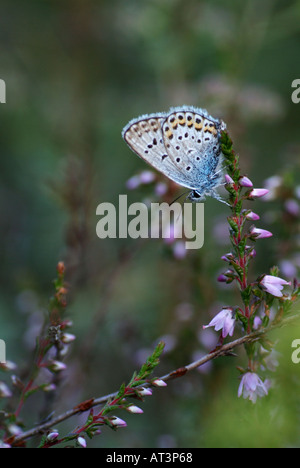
x,y
178,160
164,156
188,168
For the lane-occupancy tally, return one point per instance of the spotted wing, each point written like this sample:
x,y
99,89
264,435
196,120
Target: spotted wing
x,y
144,136
191,139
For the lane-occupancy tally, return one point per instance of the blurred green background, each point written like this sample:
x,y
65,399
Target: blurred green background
x,y
76,72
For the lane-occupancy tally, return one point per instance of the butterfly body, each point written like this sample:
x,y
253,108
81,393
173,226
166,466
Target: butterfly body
x,y
184,145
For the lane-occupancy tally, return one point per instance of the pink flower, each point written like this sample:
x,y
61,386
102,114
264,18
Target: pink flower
x,y
257,323
4,391
251,387
118,422
252,216
292,207
228,179
52,436
261,233
146,177
81,442
257,193
145,391
134,409
159,383
274,285
179,250
56,366
245,182
133,183
224,321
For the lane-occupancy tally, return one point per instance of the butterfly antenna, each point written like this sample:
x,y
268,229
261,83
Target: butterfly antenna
x,y
181,195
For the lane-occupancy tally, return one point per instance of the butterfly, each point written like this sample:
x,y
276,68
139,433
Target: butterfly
x,y
184,145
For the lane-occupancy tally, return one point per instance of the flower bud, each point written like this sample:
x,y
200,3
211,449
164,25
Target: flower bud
x,y
245,182
81,441
134,409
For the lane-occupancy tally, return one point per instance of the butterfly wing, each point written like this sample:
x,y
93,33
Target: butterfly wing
x,y
191,138
182,144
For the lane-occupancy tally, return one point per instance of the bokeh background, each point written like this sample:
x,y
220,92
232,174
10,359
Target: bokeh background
x,y
76,72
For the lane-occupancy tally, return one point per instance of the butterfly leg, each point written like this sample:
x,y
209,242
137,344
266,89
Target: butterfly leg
x,y
215,195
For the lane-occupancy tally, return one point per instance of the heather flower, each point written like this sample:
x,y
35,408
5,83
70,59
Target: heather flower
x,y
56,366
81,442
224,321
179,250
68,338
134,409
52,436
160,189
159,383
272,184
4,445
257,322
252,216
133,183
274,285
228,179
145,392
257,193
245,182
251,387
292,207
8,366
4,391
146,177
260,233
118,422
222,279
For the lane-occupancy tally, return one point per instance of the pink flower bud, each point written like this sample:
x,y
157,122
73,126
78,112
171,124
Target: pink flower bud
x,y
228,179
252,216
134,409
159,383
146,177
4,391
56,366
245,182
261,233
133,183
145,392
257,193
222,279
52,436
81,442
68,338
161,189
4,445
292,207
118,422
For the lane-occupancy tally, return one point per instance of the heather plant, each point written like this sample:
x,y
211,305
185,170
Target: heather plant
x,y
266,302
